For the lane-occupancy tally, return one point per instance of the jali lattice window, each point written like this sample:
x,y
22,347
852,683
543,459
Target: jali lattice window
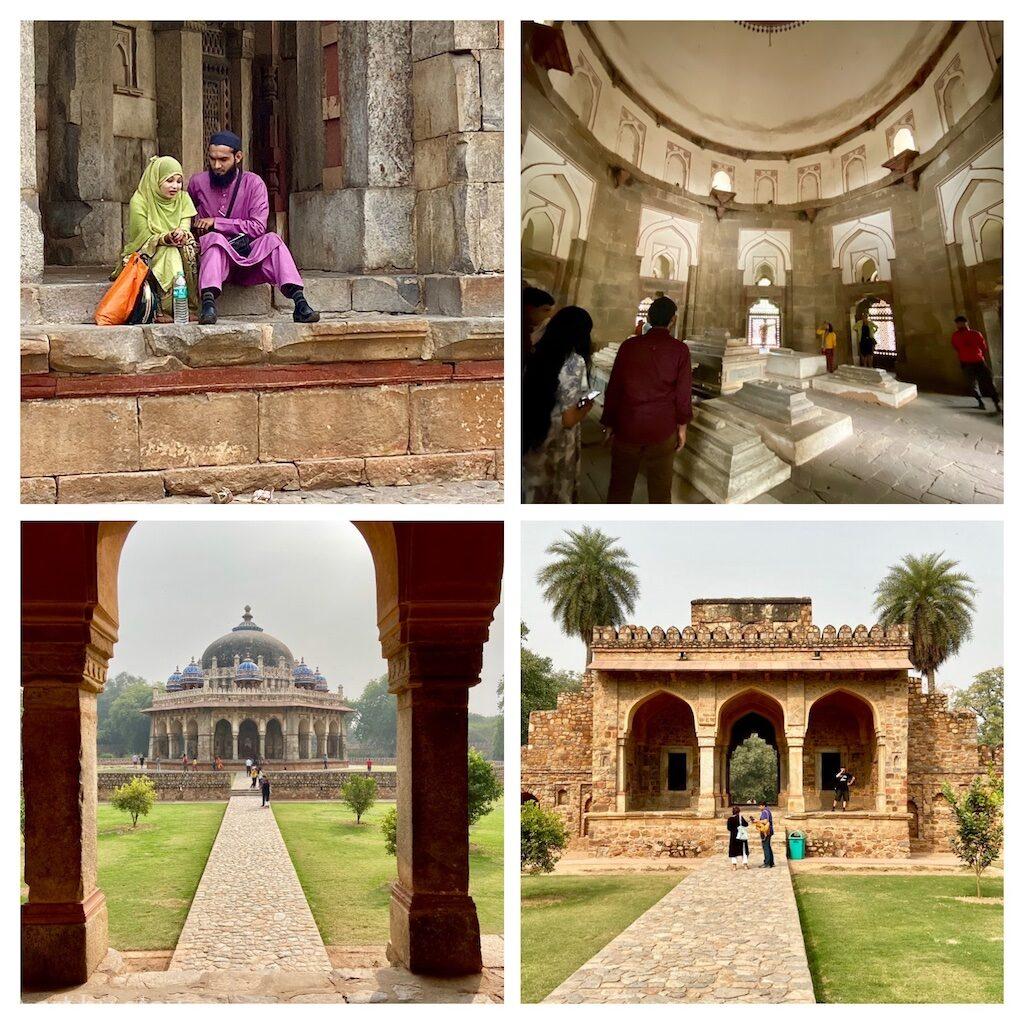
x,y
885,337
764,325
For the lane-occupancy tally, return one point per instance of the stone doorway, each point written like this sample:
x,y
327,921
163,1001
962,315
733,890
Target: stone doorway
x,y
223,741
274,741
248,740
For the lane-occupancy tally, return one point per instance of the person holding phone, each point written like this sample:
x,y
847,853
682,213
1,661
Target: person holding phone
x,y
556,399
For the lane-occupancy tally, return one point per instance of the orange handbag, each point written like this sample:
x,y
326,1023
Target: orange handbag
x,y
117,304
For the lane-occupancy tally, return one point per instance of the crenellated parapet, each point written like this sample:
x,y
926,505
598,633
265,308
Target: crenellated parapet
x,y
752,636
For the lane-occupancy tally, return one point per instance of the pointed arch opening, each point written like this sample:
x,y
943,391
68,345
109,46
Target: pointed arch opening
x,y
840,734
661,754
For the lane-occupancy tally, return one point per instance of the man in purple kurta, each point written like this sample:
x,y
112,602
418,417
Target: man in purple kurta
x,y
233,203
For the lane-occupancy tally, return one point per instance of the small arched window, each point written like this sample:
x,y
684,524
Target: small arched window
x,y
991,239
662,267
765,190
867,270
722,181
765,276
561,798
903,140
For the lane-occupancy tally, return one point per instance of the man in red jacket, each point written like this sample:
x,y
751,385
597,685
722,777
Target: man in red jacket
x,y
647,407
971,350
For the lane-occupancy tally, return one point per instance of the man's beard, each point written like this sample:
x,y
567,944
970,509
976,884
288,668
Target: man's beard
x,y
224,177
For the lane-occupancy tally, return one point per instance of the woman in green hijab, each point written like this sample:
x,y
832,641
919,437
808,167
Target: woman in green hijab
x,y
159,226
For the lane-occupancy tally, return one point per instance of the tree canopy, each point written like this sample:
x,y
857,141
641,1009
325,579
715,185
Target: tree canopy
x,y
753,772
589,582
985,698
121,727
935,601
376,724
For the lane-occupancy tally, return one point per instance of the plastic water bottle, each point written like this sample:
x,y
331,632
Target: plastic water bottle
x,y
180,299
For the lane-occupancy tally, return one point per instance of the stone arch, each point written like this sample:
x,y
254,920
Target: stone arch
x,y
248,740
661,754
223,740
863,238
677,170
640,701
764,272
990,239
304,743
274,740
903,140
554,195
953,100
866,270
855,174
757,247
842,726
753,710
810,186
664,266
192,738
764,192
539,231
334,738
527,798
722,180
437,585
629,143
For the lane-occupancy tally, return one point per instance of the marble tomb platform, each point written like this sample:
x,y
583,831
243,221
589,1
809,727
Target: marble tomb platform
x,y
867,384
788,366
785,419
727,463
724,364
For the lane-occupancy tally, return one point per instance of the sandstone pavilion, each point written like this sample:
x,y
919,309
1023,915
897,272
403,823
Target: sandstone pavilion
x,y
638,761
248,697
770,177
381,146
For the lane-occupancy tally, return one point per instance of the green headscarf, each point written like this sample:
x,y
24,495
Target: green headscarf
x,y
150,206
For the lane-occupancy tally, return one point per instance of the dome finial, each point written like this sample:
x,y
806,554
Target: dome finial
x,y
248,613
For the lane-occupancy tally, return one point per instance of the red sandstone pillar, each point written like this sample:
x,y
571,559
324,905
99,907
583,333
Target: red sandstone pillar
x,y
69,626
437,588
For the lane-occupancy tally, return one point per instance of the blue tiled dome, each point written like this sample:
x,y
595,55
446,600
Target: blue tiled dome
x,y
248,669
302,671
192,676
174,680
319,679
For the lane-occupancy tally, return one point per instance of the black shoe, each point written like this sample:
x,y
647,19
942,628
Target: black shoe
x,y
304,313
208,313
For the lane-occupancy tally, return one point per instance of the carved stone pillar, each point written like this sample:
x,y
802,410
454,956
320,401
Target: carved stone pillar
x,y
69,627
880,792
796,803
261,749
620,775
234,740
437,587
706,795
291,738
178,49
31,226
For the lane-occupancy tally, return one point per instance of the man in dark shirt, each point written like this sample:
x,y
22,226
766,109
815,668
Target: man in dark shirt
x,y
767,830
971,350
647,407
844,780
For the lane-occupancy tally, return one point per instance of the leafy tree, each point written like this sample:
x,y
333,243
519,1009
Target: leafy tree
x,y
540,684
136,797
360,793
481,730
498,749
542,838
112,739
127,726
934,601
985,698
753,772
376,725
484,787
389,828
979,823
589,583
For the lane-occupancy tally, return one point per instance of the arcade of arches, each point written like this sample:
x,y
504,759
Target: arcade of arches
x,y
766,196
437,587
638,761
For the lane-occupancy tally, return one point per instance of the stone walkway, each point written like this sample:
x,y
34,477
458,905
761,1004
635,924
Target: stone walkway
x,y
249,912
720,936
938,449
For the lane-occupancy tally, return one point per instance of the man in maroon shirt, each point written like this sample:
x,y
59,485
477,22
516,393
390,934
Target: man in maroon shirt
x,y
971,350
647,407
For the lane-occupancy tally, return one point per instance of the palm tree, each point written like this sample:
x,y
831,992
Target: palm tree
x,y
935,602
590,583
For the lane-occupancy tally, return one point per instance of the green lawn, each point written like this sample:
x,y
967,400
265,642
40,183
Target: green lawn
x,y
346,875
149,874
904,939
566,919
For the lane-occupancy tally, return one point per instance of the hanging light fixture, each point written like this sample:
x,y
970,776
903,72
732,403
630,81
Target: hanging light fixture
x,y
770,28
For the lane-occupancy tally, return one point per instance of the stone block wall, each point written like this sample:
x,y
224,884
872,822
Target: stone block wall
x,y
655,835
171,785
325,785
852,834
942,748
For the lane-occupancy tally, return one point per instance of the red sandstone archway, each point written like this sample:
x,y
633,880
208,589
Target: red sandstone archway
x,y
437,587
661,755
751,712
841,729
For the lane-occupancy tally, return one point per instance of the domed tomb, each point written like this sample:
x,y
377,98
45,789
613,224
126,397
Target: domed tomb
x,y
247,641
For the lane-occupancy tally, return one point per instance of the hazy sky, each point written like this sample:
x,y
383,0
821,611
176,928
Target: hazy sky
x,y
837,565
182,585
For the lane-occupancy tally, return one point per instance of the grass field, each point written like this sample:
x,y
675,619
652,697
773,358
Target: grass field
x,y
149,874
566,919
346,875
905,939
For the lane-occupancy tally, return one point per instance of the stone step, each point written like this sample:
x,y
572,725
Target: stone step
x,y
69,295
241,341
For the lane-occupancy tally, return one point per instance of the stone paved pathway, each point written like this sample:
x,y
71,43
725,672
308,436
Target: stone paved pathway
x,y
938,449
249,912
720,936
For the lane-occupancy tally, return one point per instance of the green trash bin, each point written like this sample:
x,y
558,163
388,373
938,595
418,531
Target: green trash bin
x,y
797,844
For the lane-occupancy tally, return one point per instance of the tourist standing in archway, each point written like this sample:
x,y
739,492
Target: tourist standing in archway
x,y
738,838
844,780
